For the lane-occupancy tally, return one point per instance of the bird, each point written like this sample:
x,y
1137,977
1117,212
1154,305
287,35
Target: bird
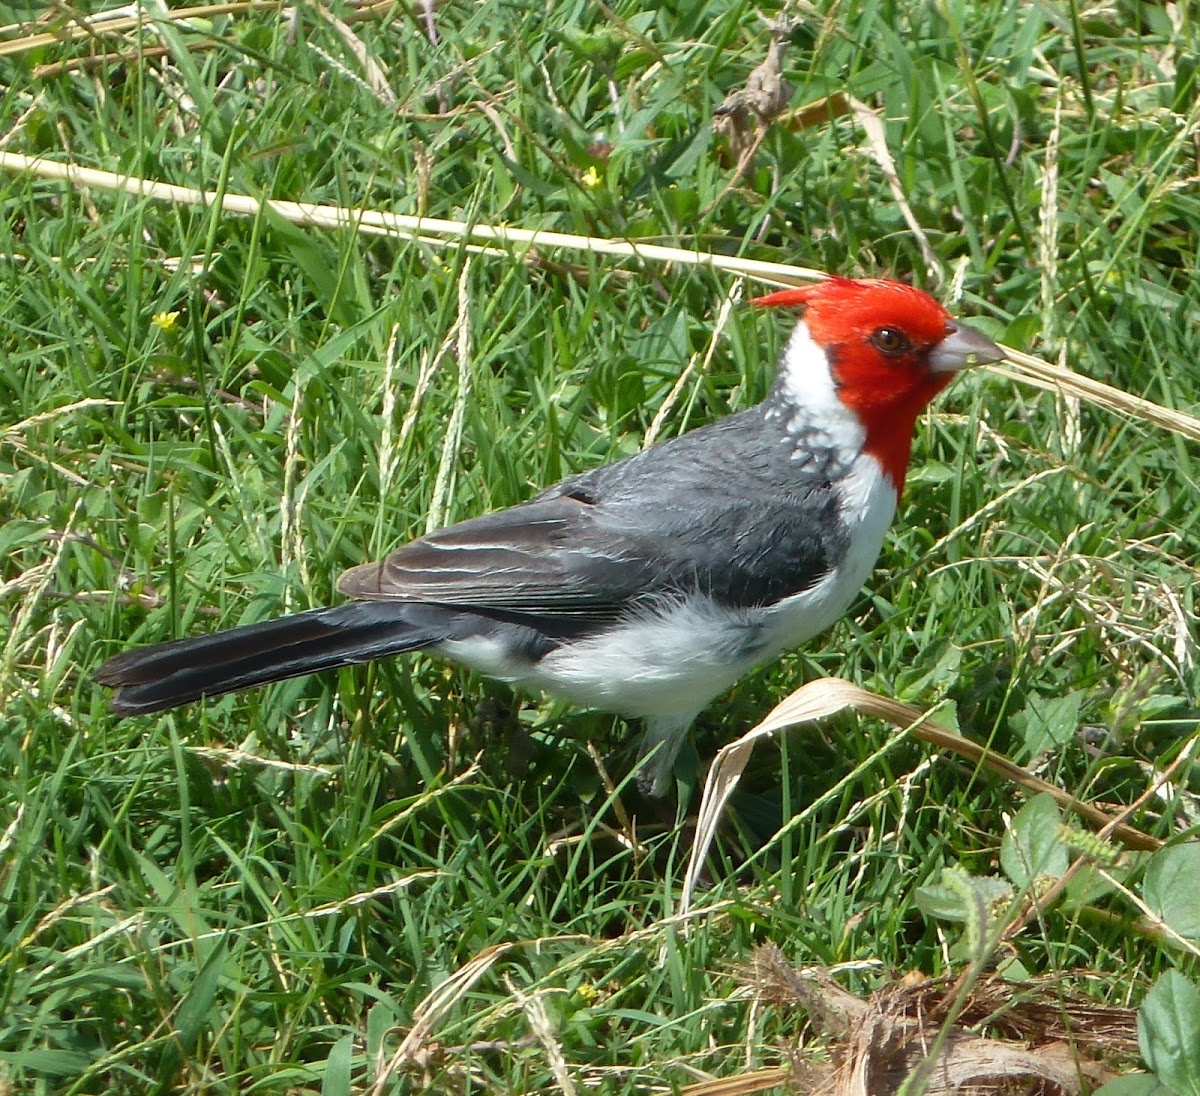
x,y
646,587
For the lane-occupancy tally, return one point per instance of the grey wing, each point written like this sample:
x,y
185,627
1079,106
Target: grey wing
x,y
555,555
669,520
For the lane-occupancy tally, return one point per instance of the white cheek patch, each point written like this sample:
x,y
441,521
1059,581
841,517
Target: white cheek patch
x,y
809,387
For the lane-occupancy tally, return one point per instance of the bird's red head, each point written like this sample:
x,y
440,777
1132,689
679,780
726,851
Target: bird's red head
x,y
890,348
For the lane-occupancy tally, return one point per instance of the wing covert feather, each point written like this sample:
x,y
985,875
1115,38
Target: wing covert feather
x,y
542,556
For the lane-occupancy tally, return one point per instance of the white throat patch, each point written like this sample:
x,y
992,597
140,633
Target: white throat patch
x,y
814,407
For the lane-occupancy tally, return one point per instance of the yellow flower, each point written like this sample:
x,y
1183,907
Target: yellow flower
x,y
591,177
165,321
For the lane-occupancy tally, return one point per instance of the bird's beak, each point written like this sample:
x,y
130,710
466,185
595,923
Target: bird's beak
x,y
963,346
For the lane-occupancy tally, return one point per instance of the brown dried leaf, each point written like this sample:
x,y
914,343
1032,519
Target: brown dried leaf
x,y
900,1031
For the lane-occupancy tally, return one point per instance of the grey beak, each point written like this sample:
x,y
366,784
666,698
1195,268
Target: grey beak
x,y
963,346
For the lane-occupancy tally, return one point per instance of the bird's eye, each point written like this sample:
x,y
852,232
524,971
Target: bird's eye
x,y
891,341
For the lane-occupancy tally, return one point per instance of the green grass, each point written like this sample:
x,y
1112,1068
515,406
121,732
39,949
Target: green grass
x,y
255,895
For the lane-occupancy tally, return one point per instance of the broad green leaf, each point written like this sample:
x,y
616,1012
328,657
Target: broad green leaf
x,y
1172,888
1032,846
1047,723
946,903
1135,1084
336,1081
1088,886
1169,1033
196,1012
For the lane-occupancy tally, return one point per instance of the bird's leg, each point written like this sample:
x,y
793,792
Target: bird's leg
x,y
660,747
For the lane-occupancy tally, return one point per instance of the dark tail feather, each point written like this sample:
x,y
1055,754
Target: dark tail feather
x,y
153,679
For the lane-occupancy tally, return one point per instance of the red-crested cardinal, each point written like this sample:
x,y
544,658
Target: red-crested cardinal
x,y
649,586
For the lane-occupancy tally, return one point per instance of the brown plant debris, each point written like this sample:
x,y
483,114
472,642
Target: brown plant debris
x,y
1036,1038
746,112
